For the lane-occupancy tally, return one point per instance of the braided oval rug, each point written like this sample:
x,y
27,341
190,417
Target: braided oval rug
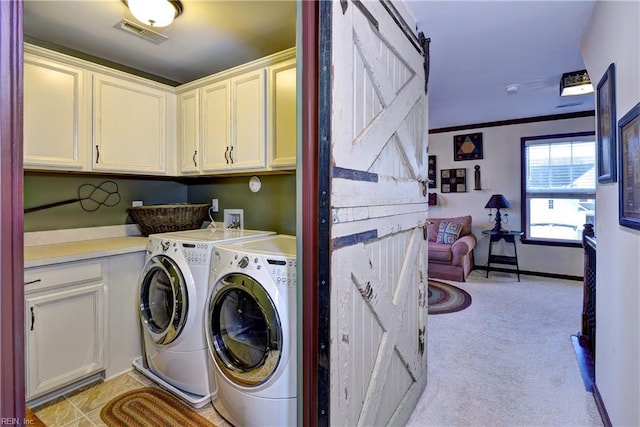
x,y
150,407
446,298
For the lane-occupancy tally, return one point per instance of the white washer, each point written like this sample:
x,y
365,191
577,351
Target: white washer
x,y
251,331
173,288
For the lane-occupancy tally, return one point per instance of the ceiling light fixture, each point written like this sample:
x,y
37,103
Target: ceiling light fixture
x,y
155,13
575,83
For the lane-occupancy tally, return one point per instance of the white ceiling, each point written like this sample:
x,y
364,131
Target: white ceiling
x,y
477,47
209,36
480,47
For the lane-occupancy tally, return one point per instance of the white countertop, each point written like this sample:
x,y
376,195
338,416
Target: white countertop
x,y
53,247
35,256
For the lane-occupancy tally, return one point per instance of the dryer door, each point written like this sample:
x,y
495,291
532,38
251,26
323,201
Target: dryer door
x,y
244,330
163,299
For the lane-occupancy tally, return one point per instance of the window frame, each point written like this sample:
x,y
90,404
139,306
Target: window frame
x,y
524,210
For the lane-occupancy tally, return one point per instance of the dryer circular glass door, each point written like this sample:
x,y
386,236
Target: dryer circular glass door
x,y
163,299
244,330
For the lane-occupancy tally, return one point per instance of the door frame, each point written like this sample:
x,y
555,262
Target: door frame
x,y
308,205
12,381
12,386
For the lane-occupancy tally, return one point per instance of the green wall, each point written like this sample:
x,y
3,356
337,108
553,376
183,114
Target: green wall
x,y
272,208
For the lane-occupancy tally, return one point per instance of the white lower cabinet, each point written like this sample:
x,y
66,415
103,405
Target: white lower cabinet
x,y
123,314
65,325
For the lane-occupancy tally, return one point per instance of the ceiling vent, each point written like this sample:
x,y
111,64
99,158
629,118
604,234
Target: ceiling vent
x,y
140,31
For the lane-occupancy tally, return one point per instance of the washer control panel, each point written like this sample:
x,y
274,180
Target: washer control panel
x,y
196,253
283,271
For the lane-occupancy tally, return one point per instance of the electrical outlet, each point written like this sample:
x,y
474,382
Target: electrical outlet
x,y
136,203
214,205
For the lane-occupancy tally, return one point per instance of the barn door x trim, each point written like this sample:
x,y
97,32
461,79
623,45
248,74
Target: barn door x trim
x,y
328,171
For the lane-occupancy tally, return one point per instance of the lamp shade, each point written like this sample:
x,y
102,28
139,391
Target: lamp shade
x,y
497,201
155,13
575,83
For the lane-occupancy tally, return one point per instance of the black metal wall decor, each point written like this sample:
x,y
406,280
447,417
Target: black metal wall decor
x,y
432,172
476,176
467,147
453,180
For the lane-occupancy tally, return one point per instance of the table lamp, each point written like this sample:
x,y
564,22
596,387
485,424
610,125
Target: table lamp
x,y
497,201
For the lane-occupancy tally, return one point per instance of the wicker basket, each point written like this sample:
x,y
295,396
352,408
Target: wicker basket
x,y
165,218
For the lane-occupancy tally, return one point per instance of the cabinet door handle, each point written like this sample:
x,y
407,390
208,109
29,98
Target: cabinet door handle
x,y
195,153
33,318
97,153
231,154
32,282
226,154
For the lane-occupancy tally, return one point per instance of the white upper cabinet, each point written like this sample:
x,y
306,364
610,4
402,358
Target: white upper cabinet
x,y
233,124
282,115
248,122
189,132
245,120
129,126
81,116
56,115
216,126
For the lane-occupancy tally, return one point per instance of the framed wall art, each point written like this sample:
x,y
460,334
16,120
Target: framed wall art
x,y
453,180
431,173
606,126
467,147
629,182
234,218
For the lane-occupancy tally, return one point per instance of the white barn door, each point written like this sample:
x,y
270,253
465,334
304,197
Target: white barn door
x,y
378,210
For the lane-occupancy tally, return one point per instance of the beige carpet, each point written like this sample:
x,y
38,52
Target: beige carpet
x,y
507,360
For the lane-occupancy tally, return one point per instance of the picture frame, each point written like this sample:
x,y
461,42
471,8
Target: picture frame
x,y
234,218
453,180
467,146
606,127
629,166
431,172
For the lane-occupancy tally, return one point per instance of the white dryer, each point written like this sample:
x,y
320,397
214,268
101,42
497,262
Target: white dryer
x,y
251,331
173,290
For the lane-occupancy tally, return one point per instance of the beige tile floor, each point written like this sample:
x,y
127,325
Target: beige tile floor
x,y
82,408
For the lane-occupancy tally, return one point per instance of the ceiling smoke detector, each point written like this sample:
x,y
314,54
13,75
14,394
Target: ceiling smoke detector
x,y
140,31
512,89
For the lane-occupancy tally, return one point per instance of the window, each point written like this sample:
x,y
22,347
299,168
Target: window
x,y
558,187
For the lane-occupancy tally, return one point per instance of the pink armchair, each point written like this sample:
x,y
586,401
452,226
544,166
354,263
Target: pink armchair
x,y
451,260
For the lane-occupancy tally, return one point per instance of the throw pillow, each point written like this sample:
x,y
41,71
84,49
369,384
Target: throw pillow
x,y
448,232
